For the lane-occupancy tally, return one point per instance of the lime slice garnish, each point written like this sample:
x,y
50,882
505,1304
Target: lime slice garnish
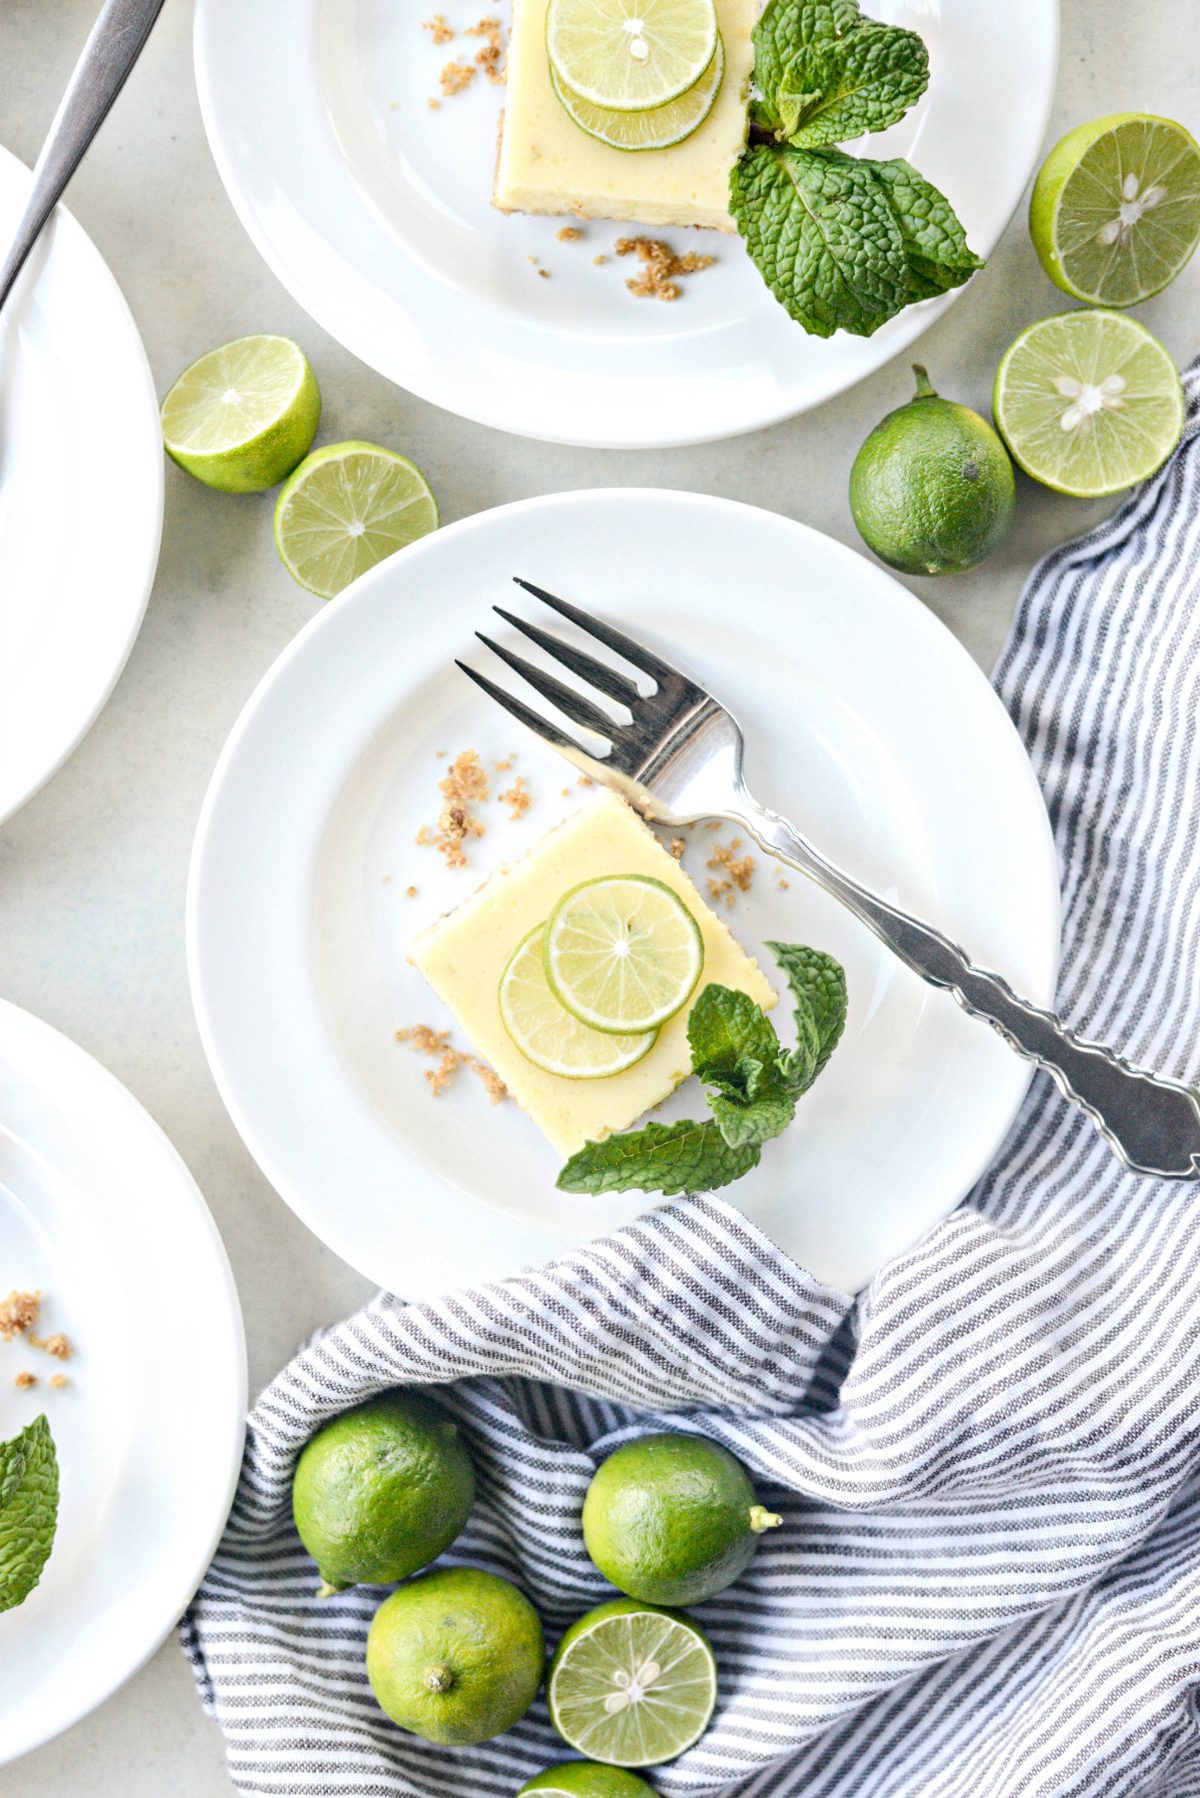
x,y
549,1036
241,417
657,129
630,55
622,953
1088,403
631,1685
347,507
1115,211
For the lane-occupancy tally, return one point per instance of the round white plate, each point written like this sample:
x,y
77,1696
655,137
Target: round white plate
x,y
99,1213
374,212
81,495
865,721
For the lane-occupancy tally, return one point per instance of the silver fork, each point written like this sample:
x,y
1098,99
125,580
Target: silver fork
x,y
679,759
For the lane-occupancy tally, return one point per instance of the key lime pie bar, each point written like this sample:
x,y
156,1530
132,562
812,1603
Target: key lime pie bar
x,y
562,152
573,970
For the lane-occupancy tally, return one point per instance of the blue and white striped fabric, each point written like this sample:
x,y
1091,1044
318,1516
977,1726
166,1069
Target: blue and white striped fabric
x,y
988,1582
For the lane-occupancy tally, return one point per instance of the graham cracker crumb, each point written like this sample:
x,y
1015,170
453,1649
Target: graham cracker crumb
x,y
504,764
439,31
677,848
599,261
569,234
410,892
738,872
18,1313
495,1088
440,754
456,76
544,273
491,58
566,792
434,105
517,798
436,1044
56,1345
660,265
585,780
783,885
464,782
25,1381
58,1381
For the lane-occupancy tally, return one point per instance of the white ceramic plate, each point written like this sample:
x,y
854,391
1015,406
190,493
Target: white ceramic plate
x,y
375,213
99,1213
864,719
81,495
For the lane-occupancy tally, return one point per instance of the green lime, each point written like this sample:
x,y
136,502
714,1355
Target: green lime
x,y
382,1490
586,1779
1089,403
549,1036
932,488
457,1656
1115,210
623,953
241,417
673,1519
656,129
632,1685
630,55
347,507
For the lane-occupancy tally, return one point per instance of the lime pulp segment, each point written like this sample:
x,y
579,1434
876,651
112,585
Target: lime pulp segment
x,y
631,1686
547,1034
630,55
1115,212
1089,403
347,507
656,129
622,953
242,417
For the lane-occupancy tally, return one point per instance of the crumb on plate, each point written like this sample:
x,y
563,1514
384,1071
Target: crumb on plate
x,y
25,1381
517,798
660,266
464,782
456,76
18,1313
438,29
437,1046
568,234
491,57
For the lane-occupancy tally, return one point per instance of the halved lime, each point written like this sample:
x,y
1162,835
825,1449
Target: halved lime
x,y
241,417
1115,210
632,1685
585,1779
630,55
347,507
547,1035
1089,403
657,129
623,953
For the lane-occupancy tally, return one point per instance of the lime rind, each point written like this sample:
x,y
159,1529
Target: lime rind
x,y
1089,403
660,127
547,1034
622,953
632,1685
346,508
243,416
630,55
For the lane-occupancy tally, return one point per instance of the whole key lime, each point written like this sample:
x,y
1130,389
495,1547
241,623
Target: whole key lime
x,y
673,1519
932,489
382,1490
456,1656
586,1779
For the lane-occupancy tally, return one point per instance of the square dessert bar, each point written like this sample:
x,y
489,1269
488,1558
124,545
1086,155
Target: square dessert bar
x,y
465,953
548,164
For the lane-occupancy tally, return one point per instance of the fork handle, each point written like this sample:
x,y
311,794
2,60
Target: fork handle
x,y
1153,1123
111,50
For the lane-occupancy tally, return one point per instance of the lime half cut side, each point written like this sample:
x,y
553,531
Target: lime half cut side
x,y
657,129
547,1034
1115,210
243,416
347,507
1089,403
622,953
630,55
632,1686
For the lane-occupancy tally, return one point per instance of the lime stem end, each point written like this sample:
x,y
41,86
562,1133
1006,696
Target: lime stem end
x,y
761,1520
925,389
438,1678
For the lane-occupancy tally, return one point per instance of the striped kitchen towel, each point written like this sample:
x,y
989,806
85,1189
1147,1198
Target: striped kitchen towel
x,y
988,1580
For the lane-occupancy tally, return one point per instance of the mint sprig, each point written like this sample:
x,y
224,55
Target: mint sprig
x,y
753,1085
843,242
28,1510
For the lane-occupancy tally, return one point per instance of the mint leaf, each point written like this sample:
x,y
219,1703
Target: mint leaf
x,y
736,1051
28,1510
666,1158
785,27
818,984
823,235
936,249
864,81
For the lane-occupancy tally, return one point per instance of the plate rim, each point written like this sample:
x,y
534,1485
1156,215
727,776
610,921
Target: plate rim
x,y
919,318
259,1150
122,1669
144,584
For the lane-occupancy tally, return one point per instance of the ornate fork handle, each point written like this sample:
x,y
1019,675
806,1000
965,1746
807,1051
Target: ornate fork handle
x,y
1152,1123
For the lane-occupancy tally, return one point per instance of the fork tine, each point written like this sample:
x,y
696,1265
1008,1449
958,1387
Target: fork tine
x,y
541,727
573,705
597,674
629,647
